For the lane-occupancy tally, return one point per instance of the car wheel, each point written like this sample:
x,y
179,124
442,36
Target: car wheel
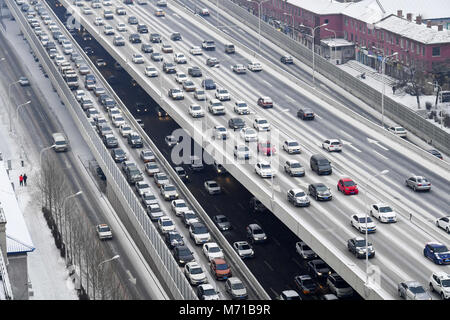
x,y
414,188
442,296
447,229
431,287
317,198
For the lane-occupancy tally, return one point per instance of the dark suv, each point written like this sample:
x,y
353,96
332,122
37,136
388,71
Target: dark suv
x,y
195,71
287,60
208,84
182,255
155,38
118,155
176,36
305,114
319,191
135,38
142,28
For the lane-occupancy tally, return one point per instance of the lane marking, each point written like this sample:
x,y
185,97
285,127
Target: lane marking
x,y
266,82
268,265
386,158
376,143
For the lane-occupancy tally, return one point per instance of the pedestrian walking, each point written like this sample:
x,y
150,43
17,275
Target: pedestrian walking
x,y
25,179
393,90
21,180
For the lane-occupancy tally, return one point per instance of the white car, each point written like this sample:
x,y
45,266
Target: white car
x,y
179,206
216,107
196,111
240,107
165,224
195,273
261,124
113,111
196,51
207,292
151,71
243,249
212,187
291,146
117,120
412,290
96,5
99,21
298,197
171,140
248,134
254,66
180,77
222,94
87,11
179,58
241,152
220,132
236,289
138,58
108,30
169,192
212,251
79,94
142,187
125,130
358,221
199,94
398,131
151,168
383,212
199,233
121,27
305,251
294,168
148,199
264,169
440,283
189,217
332,145
104,232
59,59
107,3
444,223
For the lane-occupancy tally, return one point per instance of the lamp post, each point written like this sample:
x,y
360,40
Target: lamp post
x,y
64,212
366,216
383,67
9,94
98,267
440,92
292,18
334,42
259,3
40,153
17,113
313,30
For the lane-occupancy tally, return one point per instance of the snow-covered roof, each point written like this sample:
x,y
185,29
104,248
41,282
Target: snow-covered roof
x,y
368,11
18,239
411,30
338,42
320,6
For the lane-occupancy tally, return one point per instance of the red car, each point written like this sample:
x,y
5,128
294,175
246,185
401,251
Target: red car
x,y
266,148
220,269
265,102
347,186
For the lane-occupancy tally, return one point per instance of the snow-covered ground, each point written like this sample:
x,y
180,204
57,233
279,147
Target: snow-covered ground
x,y
401,97
46,269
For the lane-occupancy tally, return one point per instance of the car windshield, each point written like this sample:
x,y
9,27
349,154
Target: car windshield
x,y
169,188
323,162
258,231
241,105
152,166
214,249
222,266
293,144
296,165
300,194
213,185
262,121
305,247
148,153
308,282
148,196
320,266
223,91
237,286
321,188
265,166
200,92
341,284
221,129
243,148
190,215
209,292
244,247
167,223
360,243
196,270
181,205
349,183
399,129
416,290
104,229
200,230
363,220
423,180
143,185
184,252
175,236
440,249
385,209
445,283
196,107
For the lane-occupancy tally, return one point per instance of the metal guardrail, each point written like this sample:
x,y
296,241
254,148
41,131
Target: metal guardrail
x,y
171,273
396,111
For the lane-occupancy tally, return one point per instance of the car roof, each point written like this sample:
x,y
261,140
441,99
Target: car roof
x,y
304,277
442,275
102,225
435,244
290,293
295,190
234,280
219,260
241,242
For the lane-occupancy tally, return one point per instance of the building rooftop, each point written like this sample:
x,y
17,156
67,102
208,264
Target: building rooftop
x,y
18,239
411,30
338,42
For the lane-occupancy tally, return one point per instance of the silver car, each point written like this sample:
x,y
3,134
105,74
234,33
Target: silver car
x,y
294,168
412,290
418,183
212,187
236,288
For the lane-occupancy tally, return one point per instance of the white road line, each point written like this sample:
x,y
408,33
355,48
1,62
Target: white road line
x,y
297,263
380,155
241,205
352,146
268,265
270,85
317,116
285,110
176,15
290,98
276,241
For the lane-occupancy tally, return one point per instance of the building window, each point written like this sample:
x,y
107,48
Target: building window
x,y
346,21
401,43
417,49
436,51
326,20
345,35
423,50
396,40
369,31
412,46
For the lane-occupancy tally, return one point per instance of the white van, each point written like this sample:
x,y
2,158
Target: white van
x,y
60,142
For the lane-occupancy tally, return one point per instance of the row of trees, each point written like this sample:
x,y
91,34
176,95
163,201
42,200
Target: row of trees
x,y
76,237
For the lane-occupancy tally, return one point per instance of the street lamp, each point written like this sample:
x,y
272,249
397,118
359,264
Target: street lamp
x,y
40,153
108,260
64,212
383,67
17,113
366,216
292,17
9,93
313,30
334,43
440,92
259,3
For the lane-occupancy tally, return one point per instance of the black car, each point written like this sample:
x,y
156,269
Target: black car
x,y
109,103
132,20
118,155
110,141
318,268
169,67
155,38
435,153
222,222
156,56
100,173
195,71
135,140
305,114
176,36
173,239
161,112
319,191
257,206
306,284
287,60
208,84
188,215
142,28
182,255
141,108
182,173
357,246
87,50
146,48
135,38
236,123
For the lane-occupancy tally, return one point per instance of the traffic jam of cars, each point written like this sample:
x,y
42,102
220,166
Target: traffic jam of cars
x,y
251,141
